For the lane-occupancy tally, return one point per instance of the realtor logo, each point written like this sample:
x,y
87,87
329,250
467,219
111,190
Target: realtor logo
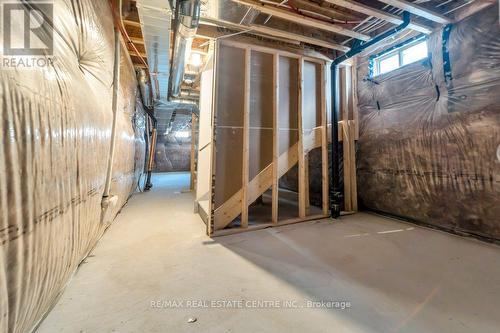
x,y
27,28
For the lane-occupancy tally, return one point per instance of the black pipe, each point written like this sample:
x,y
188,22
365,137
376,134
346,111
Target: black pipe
x,y
335,190
152,147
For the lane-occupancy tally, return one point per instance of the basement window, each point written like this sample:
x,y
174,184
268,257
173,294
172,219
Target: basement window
x,y
398,56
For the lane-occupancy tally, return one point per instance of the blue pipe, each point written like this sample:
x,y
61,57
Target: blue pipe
x,y
335,190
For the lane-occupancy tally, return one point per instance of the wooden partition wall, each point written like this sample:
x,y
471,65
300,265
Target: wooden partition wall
x,y
262,158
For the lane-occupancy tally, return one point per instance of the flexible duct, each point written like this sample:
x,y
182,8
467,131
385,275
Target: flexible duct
x,y
188,15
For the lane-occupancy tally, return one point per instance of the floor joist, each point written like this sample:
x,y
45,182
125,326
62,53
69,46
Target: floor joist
x,y
380,14
300,19
418,10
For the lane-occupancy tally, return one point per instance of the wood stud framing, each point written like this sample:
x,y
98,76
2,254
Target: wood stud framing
x,y
324,142
246,142
302,158
275,186
296,154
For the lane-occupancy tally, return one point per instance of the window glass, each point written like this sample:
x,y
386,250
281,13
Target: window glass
x,y
388,64
414,53
406,53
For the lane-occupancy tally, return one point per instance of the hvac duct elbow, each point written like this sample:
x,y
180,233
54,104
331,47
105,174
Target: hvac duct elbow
x,y
187,23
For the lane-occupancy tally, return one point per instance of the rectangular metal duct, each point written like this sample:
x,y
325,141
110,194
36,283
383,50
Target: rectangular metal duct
x,y
155,16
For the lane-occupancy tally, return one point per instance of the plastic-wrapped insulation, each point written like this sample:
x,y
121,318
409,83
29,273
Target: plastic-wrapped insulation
x,y
430,132
55,125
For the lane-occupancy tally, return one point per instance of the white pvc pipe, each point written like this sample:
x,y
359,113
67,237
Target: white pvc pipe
x,y
116,80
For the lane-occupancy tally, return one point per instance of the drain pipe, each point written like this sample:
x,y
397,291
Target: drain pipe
x,y
107,200
335,190
149,108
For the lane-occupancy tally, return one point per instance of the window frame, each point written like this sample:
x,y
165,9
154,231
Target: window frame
x,y
374,63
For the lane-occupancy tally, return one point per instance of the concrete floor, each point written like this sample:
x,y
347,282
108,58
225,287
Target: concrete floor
x,y
396,276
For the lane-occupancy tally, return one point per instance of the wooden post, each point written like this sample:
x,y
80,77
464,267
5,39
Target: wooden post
x,y
301,156
307,203
354,89
246,142
346,143
355,134
352,159
324,141
275,188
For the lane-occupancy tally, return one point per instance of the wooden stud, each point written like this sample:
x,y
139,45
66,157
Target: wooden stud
x,y
228,211
275,186
252,189
324,141
352,158
246,142
307,203
354,89
346,143
301,157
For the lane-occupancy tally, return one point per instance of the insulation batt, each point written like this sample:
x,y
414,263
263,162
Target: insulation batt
x,y
430,153
55,129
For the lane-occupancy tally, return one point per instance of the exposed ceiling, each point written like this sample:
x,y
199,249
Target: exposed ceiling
x,y
327,26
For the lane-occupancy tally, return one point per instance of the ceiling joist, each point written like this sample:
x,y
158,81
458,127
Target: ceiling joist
x,y
280,35
242,29
370,11
300,38
418,10
300,19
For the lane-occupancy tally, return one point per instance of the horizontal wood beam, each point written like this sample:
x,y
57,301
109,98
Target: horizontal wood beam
x,y
380,14
301,38
303,20
418,10
239,27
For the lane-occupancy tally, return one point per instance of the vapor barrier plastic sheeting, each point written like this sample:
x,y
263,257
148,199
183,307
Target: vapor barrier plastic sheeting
x,y
428,146
56,128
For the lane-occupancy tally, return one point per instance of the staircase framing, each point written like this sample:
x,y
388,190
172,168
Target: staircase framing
x,y
313,137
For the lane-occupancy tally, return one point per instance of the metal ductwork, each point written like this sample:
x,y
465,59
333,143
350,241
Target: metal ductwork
x,y
155,16
188,15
